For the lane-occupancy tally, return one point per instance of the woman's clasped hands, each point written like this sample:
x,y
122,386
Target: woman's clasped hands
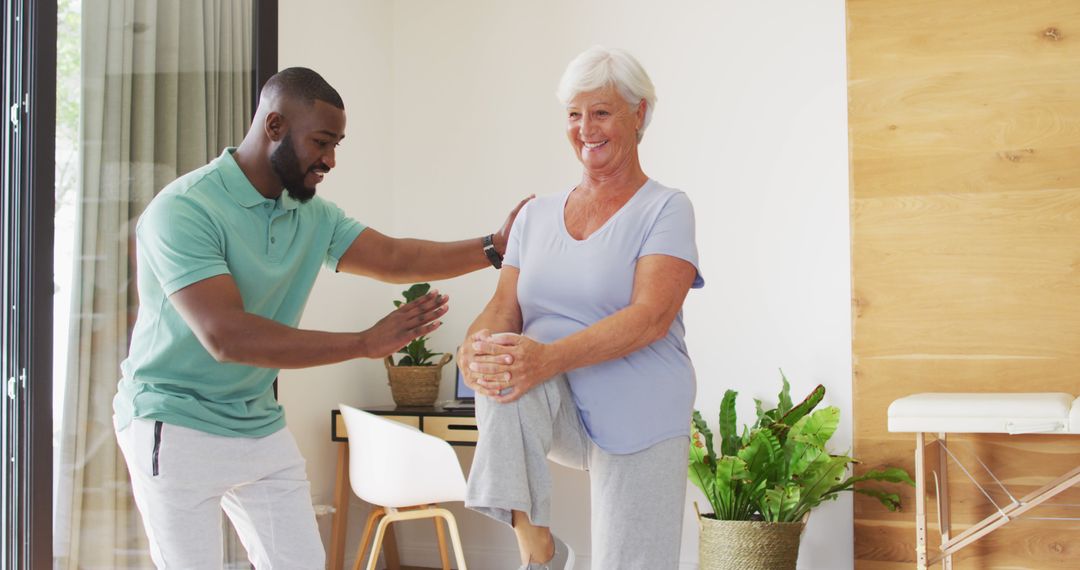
x,y
504,366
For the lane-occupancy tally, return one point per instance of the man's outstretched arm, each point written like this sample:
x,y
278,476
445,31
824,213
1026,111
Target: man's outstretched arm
x,y
215,311
403,260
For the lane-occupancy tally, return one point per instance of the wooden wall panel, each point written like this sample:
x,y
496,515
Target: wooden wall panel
x,y
964,121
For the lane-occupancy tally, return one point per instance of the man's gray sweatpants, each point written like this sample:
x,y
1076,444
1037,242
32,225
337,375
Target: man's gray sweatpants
x,y
182,479
637,498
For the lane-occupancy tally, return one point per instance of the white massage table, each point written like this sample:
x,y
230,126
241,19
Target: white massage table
x,y
1043,413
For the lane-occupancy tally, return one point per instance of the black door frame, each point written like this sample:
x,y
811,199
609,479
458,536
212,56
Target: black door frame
x,y
29,55
28,518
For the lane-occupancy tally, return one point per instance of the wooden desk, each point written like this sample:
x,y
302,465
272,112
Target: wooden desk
x,y
458,427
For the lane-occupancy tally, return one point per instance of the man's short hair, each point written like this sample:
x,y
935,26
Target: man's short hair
x,y
302,84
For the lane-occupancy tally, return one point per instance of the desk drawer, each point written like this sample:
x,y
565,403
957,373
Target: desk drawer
x,y
452,429
340,434
411,421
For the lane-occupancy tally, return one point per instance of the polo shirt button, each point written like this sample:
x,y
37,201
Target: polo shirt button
x,y
266,204
273,240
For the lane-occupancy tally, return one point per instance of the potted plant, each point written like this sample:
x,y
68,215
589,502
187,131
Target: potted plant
x,y
414,380
763,483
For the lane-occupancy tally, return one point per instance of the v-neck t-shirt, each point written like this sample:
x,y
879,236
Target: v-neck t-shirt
x,y
566,285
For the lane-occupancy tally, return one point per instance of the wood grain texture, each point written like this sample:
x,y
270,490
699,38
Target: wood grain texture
x,y
963,95
964,126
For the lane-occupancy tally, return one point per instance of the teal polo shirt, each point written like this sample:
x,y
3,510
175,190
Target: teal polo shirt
x,y
210,222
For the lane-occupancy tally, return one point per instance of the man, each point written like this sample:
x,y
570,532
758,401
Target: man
x,y
227,256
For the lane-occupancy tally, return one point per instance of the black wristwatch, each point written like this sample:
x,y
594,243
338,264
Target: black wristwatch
x,y
489,250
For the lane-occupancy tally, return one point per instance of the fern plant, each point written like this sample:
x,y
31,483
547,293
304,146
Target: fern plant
x,y
778,469
416,352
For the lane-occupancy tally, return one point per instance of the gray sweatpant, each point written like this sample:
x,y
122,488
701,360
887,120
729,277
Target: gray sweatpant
x,y
637,498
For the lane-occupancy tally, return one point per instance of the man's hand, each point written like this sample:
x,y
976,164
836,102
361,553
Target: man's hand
x,y
503,235
407,322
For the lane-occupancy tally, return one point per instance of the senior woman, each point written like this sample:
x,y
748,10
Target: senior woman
x,y
590,368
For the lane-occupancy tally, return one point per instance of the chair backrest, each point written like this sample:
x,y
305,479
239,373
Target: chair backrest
x,y
395,465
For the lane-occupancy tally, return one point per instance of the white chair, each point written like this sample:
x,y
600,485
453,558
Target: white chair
x,y
403,473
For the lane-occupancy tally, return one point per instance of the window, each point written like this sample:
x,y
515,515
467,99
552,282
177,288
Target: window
x,y
105,101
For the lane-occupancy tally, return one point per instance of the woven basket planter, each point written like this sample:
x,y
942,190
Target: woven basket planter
x,y
748,545
415,385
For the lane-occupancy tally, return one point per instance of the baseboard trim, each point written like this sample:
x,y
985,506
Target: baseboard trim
x,y
480,558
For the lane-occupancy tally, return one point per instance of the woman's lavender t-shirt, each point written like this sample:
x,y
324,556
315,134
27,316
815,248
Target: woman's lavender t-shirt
x,y
565,285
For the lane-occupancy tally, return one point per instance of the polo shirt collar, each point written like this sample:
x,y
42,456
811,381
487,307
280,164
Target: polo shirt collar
x,y
241,189
287,202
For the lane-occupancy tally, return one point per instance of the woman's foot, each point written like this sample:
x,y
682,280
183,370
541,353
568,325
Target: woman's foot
x,y
561,559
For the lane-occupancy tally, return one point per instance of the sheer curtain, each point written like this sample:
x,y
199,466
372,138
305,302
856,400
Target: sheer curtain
x,y
166,86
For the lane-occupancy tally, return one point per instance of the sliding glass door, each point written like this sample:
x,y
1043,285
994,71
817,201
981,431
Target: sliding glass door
x,y
116,99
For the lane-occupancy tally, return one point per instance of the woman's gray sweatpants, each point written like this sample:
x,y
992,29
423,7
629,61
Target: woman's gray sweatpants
x,y
637,499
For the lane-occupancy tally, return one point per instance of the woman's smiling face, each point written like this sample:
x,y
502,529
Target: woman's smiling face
x,y
602,128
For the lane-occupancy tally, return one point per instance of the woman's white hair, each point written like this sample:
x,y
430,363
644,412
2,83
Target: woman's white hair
x,y
599,67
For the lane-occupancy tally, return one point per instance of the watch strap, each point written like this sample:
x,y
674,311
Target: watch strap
x,y
489,250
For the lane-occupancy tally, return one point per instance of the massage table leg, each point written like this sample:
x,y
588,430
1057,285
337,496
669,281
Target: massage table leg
x,y
920,501
944,516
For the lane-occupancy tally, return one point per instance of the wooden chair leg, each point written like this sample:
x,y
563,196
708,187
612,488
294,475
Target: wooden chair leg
x,y
380,532
390,550
455,537
394,515
369,528
444,556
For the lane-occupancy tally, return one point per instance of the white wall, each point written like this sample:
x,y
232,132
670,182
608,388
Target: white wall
x,y
349,43
453,119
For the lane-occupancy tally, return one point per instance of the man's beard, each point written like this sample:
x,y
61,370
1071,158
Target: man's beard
x,y
287,167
